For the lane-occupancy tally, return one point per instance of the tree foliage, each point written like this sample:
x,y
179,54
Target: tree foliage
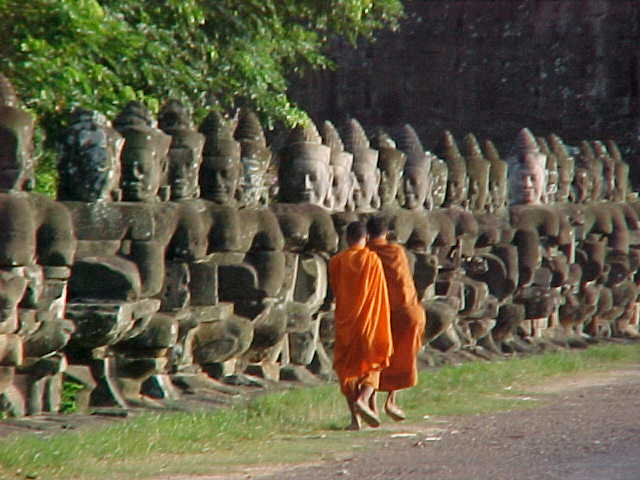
x,y
102,53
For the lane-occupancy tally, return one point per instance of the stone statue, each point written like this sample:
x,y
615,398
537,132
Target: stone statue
x,y
565,166
244,253
542,235
310,235
119,272
498,173
391,162
255,159
416,185
304,172
344,180
365,167
36,245
478,171
551,171
144,159
185,152
90,159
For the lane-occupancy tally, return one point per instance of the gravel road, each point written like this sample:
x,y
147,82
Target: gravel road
x,y
587,428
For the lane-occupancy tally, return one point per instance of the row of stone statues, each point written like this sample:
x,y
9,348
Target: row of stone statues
x,y
177,259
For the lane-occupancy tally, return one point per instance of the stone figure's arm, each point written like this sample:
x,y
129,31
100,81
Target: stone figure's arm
x,y
56,242
17,232
322,234
189,241
269,235
619,237
270,266
149,258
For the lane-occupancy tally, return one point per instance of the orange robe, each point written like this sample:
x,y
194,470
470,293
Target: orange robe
x,y
362,327
407,316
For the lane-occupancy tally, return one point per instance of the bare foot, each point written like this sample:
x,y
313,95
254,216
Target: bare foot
x,y
367,414
394,412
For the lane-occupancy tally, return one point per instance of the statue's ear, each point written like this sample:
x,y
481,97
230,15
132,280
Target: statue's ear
x,y
329,199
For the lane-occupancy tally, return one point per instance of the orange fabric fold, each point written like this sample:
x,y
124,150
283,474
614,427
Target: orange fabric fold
x,y
362,327
407,317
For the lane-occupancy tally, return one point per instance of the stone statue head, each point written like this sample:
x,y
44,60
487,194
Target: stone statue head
x,y
608,169
141,165
498,174
439,175
478,169
344,180
587,159
255,158
527,178
185,153
304,173
391,163
565,165
365,167
89,164
144,157
221,169
621,172
582,185
551,168
457,180
16,141
416,183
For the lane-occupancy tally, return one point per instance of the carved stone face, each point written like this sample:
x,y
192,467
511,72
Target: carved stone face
x,y
565,178
498,191
389,185
184,167
253,188
141,174
89,167
597,182
477,195
456,189
368,178
219,178
416,187
306,181
527,180
342,187
582,185
16,166
552,185
439,183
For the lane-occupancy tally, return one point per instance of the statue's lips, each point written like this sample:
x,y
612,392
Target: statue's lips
x,y
219,193
306,195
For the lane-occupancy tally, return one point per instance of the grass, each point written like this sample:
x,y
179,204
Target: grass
x,y
290,426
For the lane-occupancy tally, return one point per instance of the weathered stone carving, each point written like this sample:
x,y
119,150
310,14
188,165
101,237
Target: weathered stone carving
x,y
36,250
132,285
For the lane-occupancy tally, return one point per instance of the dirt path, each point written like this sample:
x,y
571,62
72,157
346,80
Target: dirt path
x,y
587,428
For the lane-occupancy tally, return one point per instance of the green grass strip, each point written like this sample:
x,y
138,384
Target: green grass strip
x,y
235,434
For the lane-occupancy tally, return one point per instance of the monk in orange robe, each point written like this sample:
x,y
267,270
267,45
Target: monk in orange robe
x,y
362,326
407,317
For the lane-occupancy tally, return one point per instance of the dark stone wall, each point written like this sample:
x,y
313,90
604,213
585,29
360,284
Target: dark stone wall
x,y
491,68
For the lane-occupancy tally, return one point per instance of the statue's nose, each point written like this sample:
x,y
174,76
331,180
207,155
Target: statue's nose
x,y
307,182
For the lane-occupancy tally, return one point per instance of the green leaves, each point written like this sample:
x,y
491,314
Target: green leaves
x,y
100,54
